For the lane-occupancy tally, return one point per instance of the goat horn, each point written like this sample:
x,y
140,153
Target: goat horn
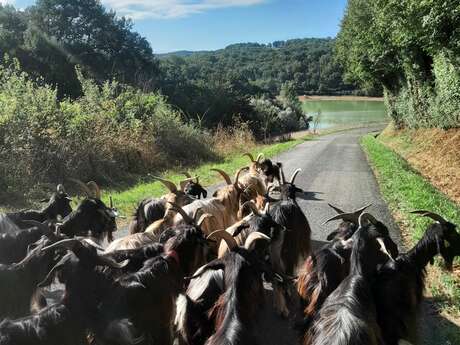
x,y
107,261
254,236
224,175
224,235
237,175
110,201
187,174
294,175
183,183
83,186
50,276
252,206
181,211
251,157
68,243
195,214
167,183
336,209
349,217
383,248
259,156
431,215
283,178
203,218
60,188
368,217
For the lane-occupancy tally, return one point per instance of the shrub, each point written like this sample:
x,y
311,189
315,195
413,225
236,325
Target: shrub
x,y
111,133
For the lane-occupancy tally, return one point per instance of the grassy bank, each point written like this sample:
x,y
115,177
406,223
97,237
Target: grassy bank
x,y
127,200
404,189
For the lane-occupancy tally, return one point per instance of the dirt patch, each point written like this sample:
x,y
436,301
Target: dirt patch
x,y
435,153
339,98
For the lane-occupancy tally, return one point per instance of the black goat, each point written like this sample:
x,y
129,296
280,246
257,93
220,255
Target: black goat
x,y
286,212
13,246
18,282
153,209
135,258
325,269
400,284
58,206
348,316
271,171
67,322
147,297
91,216
201,312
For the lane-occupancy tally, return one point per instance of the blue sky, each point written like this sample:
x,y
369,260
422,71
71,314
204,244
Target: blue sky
x,y
172,25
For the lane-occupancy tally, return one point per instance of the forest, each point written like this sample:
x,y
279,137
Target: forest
x,y
411,49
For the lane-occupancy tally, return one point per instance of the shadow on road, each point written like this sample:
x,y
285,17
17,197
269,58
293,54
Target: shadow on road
x,y
308,195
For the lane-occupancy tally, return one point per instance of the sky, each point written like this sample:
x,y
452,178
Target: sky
x,y
172,25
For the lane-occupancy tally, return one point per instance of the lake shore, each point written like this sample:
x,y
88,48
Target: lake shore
x,y
305,98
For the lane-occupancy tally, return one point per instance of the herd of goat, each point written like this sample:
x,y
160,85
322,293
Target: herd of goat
x,y
198,271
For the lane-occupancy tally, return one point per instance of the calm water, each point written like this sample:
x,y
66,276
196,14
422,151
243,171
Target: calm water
x,y
340,113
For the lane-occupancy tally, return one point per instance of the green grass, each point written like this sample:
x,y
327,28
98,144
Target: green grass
x,y
128,199
404,189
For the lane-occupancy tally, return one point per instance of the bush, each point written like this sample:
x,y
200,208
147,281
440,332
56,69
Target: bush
x,y
111,133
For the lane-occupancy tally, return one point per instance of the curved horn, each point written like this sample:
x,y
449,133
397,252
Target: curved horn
x,y
294,175
203,218
195,214
110,202
68,243
254,236
383,248
224,175
336,209
259,156
50,276
368,217
237,175
348,217
83,186
181,211
187,174
431,215
107,261
251,157
224,235
283,178
252,206
60,188
167,183
183,183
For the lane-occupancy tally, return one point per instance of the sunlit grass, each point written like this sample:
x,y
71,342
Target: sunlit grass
x,y
404,189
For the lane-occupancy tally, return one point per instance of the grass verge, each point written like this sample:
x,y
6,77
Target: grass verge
x,y
404,189
128,199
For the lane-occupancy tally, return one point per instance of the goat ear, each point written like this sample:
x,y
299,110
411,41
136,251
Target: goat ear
x,y
204,193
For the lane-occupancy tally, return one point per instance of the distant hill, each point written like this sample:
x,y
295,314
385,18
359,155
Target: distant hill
x,y
180,53
308,63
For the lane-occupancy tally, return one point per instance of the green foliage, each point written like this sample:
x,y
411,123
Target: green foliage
x,y
51,37
217,85
411,49
110,133
405,190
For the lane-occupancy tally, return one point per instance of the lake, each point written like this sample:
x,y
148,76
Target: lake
x,y
345,112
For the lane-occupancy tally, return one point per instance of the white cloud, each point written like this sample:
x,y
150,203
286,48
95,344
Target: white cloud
x,y
166,9
4,2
